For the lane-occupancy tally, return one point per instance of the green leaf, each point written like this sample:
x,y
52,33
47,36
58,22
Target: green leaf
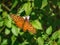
x,y
13,39
1,23
0,18
4,14
14,4
45,36
54,35
49,30
20,10
44,3
27,7
59,33
58,41
4,42
21,33
37,24
8,21
7,31
15,30
40,41
50,42
25,43
33,13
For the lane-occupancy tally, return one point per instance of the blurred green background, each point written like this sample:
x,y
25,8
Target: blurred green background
x,y
44,16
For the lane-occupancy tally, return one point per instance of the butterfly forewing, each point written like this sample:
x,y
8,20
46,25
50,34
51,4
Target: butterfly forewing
x,y
18,20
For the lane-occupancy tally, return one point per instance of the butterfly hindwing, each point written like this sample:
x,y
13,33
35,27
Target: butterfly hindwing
x,y
29,27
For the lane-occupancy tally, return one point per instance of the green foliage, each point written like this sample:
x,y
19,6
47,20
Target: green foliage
x,y
14,4
49,30
7,31
40,41
56,35
37,24
58,42
27,7
44,17
1,23
7,21
44,3
4,42
15,30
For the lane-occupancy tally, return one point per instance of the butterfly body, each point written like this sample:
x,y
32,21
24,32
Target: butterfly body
x,y
22,23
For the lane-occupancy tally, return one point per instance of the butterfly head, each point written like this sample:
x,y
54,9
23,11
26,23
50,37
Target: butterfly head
x,y
26,18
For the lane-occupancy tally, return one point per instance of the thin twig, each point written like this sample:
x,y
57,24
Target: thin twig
x,y
2,28
5,7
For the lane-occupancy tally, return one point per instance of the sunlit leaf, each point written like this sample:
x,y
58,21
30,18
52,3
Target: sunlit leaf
x,y
1,23
33,13
27,7
54,35
13,38
49,30
20,10
0,18
40,41
7,31
52,42
4,14
37,24
44,3
8,22
25,43
45,36
14,4
21,33
4,42
58,41
15,30
59,33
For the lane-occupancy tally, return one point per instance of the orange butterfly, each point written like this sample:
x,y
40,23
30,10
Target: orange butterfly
x,y
22,23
